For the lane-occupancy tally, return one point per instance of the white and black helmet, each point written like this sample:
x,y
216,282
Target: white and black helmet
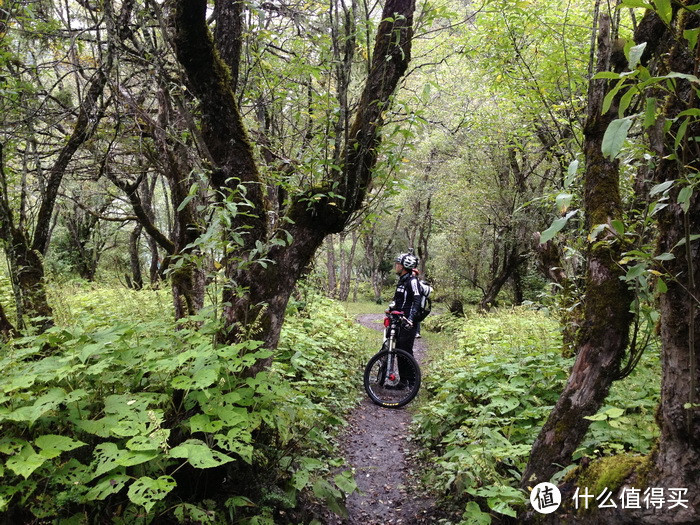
x,y
407,260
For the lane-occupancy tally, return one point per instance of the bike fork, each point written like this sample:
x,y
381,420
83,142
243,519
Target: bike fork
x,y
392,365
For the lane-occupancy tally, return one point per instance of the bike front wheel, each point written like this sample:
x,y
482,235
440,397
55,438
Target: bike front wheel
x,y
392,378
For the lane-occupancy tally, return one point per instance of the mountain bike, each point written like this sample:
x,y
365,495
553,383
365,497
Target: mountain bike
x,y
392,376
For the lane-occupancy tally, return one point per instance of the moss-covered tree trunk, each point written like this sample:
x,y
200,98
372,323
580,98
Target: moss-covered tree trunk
x,y
604,334
674,463
256,295
677,460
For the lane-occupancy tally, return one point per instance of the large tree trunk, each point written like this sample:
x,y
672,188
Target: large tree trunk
x,y
256,297
604,335
674,464
678,456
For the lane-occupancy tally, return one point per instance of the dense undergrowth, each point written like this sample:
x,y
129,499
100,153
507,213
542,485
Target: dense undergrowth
x,y
117,415
491,382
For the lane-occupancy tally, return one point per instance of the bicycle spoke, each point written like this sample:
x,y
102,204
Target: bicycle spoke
x,y
392,379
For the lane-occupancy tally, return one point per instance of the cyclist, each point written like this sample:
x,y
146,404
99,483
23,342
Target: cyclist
x,y
406,300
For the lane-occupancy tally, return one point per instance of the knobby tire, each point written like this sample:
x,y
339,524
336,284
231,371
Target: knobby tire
x,y
382,388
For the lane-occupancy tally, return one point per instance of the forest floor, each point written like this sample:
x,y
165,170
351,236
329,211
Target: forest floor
x,y
376,446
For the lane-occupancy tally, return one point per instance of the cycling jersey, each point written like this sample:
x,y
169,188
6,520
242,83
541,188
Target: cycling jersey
x,y
407,296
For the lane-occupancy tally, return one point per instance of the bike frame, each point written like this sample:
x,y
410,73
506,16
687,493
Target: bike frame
x,y
391,321
382,379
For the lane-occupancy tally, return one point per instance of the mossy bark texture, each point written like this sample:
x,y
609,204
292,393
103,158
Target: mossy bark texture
x,y
257,296
675,462
603,336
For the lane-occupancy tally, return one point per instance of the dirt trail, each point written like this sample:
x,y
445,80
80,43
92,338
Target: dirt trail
x,y
376,445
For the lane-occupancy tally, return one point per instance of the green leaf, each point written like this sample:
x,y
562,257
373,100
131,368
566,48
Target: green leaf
x,y
625,101
346,482
148,491
571,173
597,417
107,486
607,101
595,231
563,200
684,76
101,427
26,462
614,412
635,271
11,445
660,188
693,237
151,442
650,112
55,442
500,506
637,3
199,455
684,198
425,95
665,257
188,513
610,75
681,132
635,54
236,441
107,456
203,423
664,10
619,226
556,227
691,35
41,406
615,137
331,496
239,501
474,515
300,479
661,285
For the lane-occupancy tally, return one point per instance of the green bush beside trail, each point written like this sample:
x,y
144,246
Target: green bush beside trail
x,y
489,395
147,421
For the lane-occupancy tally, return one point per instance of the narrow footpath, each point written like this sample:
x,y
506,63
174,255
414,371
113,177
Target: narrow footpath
x,y
376,446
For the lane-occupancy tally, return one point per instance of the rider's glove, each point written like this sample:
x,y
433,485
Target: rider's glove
x,y
408,323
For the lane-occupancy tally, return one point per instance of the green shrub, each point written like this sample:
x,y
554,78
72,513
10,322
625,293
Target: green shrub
x,y
150,421
489,396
